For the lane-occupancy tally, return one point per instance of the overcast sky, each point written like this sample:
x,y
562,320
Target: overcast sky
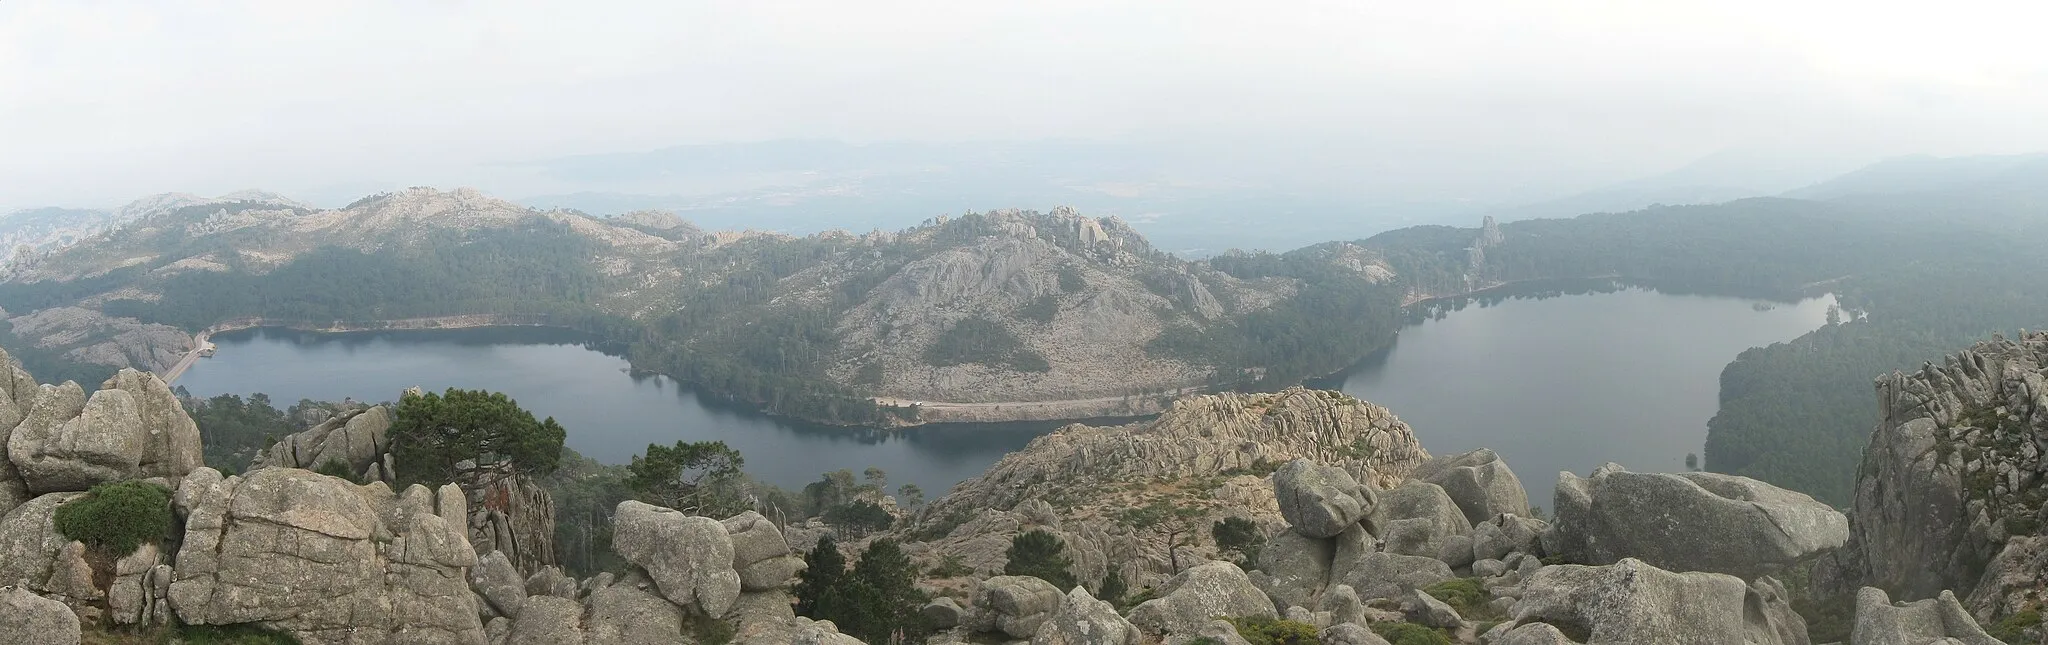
x,y
104,101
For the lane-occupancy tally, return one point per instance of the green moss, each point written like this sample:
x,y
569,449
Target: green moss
x,y
1466,595
1410,634
1273,631
118,517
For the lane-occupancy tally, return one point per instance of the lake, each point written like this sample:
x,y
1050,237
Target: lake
x,y
1561,383
1556,382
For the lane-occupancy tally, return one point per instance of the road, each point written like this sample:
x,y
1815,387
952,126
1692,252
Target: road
x,y
199,345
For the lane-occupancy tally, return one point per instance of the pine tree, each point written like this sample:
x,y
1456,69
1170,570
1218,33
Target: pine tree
x,y
1113,588
1040,555
817,588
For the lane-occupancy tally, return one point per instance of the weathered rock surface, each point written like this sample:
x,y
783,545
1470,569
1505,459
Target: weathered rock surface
x,y
1389,575
1880,622
548,620
29,544
1083,620
690,558
170,446
325,560
69,442
1631,602
629,612
1015,605
1418,518
1296,568
18,393
1200,594
1319,501
1349,634
1480,483
29,619
1950,492
356,439
1689,522
498,584
759,553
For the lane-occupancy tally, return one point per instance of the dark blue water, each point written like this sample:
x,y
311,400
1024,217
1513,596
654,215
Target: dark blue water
x,y
1552,384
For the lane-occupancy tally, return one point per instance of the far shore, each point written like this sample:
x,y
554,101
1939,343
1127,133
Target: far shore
x,y
201,341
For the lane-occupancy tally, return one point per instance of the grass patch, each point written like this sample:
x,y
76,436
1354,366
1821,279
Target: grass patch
x,y
1409,634
1274,631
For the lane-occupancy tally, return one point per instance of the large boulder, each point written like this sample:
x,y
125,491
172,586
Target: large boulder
x,y
69,442
1083,620
759,553
1296,568
498,584
690,558
29,619
629,612
1418,518
1494,539
1480,483
1389,575
548,621
356,439
30,544
325,560
1349,634
1633,603
1319,501
1689,522
1200,594
1880,622
170,446
1015,605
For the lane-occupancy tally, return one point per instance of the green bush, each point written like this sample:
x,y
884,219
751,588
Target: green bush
x,y
1466,595
337,468
1409,634
2014,628
1273,631
118,517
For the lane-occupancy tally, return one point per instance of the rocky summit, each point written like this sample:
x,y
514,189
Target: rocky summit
x,y
1347,532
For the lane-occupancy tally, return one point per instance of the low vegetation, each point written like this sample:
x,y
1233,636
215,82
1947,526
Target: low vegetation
x,y
117,518
1274,631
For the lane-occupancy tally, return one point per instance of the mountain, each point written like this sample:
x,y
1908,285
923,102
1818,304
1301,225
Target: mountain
x,y
992,316
32,231
1927,174
1724,176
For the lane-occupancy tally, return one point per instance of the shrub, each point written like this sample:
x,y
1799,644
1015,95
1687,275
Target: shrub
x,y
950,566
1113,588
1040,555
1409,634
118,517
1272,631
1467,595
337,468
2014,628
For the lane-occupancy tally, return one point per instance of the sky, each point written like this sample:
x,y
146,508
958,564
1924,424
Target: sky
x,y
104,101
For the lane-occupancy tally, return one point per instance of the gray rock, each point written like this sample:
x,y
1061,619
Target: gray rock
x,y
1480,483
942,613
138,592
324,560
29,619
1344,605
1319,501
1689,522
1769,615
29,542
1349,634
1296,568
170,440
548,620
1015,605
357,439
1456,551
754,539
1880,622
1424,609
772,573
690,558
1416,518
1489,568
1504,534
550,581
1533,634
1635,603
69,442
1389,575
625,614
498,584
1218,631
1199,594
1083,620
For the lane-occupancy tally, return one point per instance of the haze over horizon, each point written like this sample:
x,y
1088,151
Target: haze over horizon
x,y
1373,107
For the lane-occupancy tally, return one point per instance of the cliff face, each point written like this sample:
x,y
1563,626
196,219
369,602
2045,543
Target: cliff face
x,y
1210,454
1950,495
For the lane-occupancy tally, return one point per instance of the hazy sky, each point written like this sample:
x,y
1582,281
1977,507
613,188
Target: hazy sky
x,y
105,101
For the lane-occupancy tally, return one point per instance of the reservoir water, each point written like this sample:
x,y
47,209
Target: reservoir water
x,y
1562,383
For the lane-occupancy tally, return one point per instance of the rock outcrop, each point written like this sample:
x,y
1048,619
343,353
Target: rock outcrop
x,y
355,439
1950,494
1198,595
1924,622
1480,482
689,558
29,619
1015,605
323,559
133,427
1203,452
1633,603
1083,620
1689,522
1320,501
18,393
